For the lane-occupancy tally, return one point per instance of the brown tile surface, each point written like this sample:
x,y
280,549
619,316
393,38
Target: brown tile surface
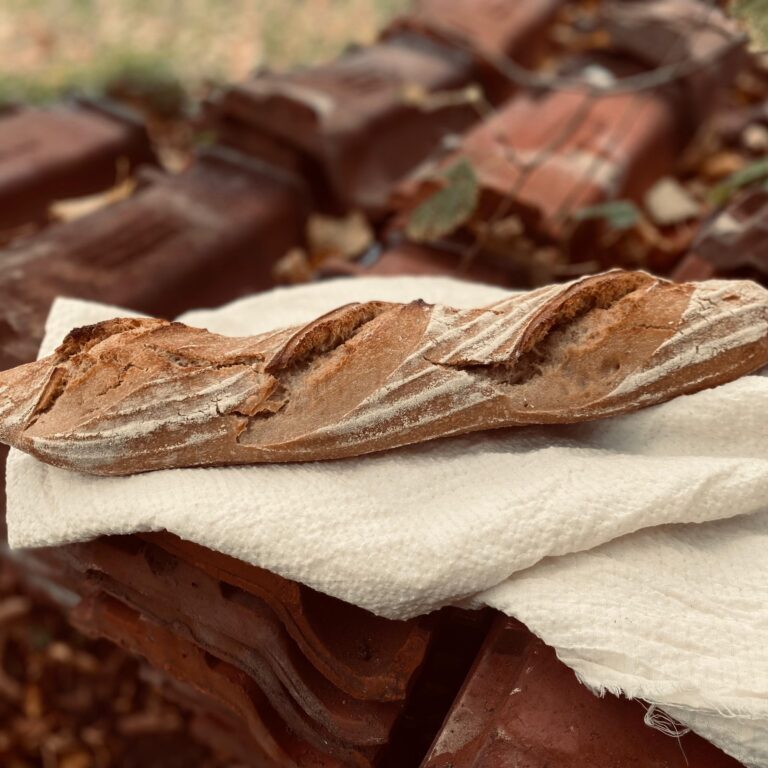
x,y
242,629
351,121
63,151
685,33
338,680
522,708
414,259
543,157
734,242
492,30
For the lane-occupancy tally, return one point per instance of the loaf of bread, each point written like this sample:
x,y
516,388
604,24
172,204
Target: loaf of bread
x,y
132,395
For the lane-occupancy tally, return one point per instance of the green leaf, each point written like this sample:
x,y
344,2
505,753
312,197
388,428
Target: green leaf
x,y
754,13
755,171
449,207
617,214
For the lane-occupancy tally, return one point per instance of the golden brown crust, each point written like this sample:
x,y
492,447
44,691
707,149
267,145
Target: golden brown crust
x,y
136,395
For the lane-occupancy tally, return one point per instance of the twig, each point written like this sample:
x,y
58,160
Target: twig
x,y
644,81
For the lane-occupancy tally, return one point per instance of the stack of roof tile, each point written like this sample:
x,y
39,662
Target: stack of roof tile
x,y
280,675
303,676
546,155
355,125
360,123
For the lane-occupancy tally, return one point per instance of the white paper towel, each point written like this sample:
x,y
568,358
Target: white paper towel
x,y
676,614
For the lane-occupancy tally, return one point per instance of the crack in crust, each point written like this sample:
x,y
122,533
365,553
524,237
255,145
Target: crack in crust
x,y
564,322
133,395
325,334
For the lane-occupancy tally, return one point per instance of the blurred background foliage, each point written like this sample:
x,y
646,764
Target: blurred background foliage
x,y
169,48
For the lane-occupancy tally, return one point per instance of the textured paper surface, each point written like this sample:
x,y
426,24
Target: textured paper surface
x,y
610,540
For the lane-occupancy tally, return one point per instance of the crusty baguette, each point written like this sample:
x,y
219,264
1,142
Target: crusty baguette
x,y
131,395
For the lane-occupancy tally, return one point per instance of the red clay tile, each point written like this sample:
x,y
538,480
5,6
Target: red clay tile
x,y
237,627
214,679
353,121
493,30
552,154
415,259
522,707
64,151
200,238
369,657
706,46
733,243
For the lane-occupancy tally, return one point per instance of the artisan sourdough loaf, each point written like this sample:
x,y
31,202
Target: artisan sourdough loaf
x,y
132,395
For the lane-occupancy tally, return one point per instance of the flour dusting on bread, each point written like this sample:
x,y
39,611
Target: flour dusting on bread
x,y
134,395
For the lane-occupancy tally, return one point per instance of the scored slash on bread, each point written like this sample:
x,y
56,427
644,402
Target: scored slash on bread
x,y
132,395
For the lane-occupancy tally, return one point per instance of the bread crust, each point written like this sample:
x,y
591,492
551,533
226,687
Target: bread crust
x,y
132,395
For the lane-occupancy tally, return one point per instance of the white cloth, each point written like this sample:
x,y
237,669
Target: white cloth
x,y
598,536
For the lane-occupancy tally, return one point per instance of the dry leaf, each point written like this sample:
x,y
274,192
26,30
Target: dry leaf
x,y
416,95
722,164
293,268
77,207
343,238
755,138
668,202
